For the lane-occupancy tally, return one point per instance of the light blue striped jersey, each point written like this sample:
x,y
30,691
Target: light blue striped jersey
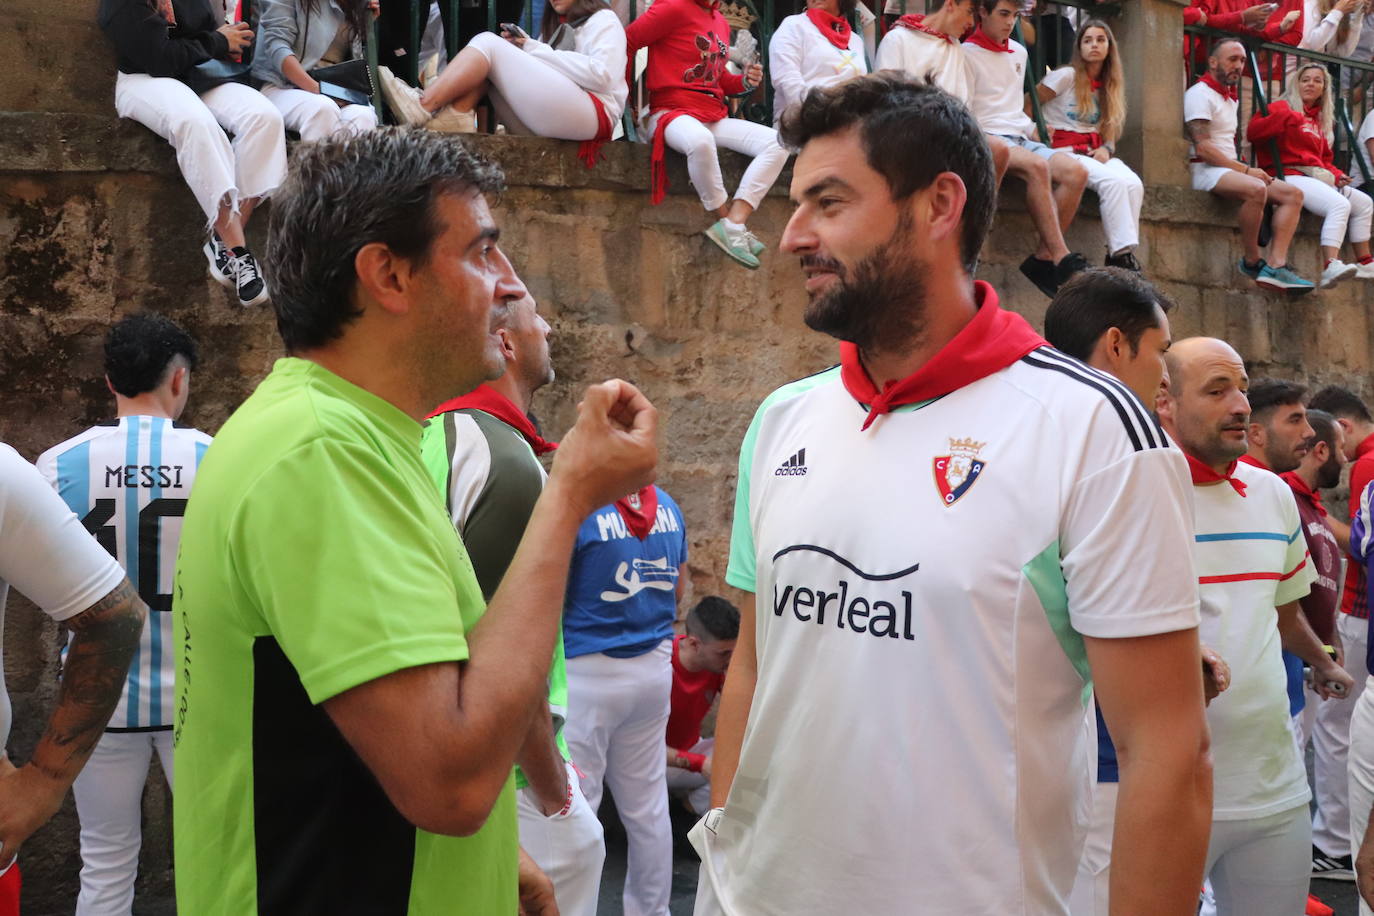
x,y
128,481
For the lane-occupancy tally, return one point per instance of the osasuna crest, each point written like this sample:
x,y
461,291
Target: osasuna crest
x,y
956,472
634,501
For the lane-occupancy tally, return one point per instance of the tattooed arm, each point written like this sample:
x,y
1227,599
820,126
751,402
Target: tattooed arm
x,y
105,636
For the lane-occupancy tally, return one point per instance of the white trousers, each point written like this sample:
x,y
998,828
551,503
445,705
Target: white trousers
x,y
217,171
695,786
1345,212
318,117
569,848
1120,193
1089,896
1261,866
1331,745
1361,769
530,97
698,142
109,804
617,715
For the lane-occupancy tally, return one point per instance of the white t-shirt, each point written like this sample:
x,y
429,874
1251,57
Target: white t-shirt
x,y
922,55
1203,103
1367,131
596,62
800,57
45,553
1251,557
1061,112
999,98
920,738
128,481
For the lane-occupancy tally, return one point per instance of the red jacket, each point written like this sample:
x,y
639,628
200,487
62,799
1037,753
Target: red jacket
x,y
1226,15
689,45
1299,135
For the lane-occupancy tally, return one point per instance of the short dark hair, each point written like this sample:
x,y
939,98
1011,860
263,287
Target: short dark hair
x,y
342,194
1216,48
713,619
1268,394
893,111
1324,426
1341,402
987,6
139,350
1097,300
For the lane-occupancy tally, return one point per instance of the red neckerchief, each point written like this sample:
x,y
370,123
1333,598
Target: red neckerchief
x,y
1313,112
980,38
917,22
992,341
1255,462
1225,91
1097,85
639,511
489,400
1300,488
1203,474
836,29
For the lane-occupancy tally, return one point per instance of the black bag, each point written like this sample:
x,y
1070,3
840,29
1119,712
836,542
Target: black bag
x,y
350,81
212,73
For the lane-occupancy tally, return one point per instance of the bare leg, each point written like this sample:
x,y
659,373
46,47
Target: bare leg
x,y
462,81
1035,172
1286,216
1251,193
1329,253
1070,178
1361,249
1000,158
229,227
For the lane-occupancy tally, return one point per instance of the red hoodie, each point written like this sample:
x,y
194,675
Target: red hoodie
x,y
689,45
1299,135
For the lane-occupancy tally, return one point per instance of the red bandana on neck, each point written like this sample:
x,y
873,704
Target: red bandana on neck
x,y
980,38
916,21
836,29
1313,111
1255,462
1300,488
992,341
1097,85
639,511
1203,474
1226,91
489,400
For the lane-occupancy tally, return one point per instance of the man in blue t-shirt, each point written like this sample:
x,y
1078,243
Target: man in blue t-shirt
x,y
626,578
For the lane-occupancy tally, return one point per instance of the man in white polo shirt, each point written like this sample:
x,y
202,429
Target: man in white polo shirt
x,y
905,727
1251,560
1210,110
1054,178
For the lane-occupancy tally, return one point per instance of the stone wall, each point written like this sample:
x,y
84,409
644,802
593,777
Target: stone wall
x,y
94,223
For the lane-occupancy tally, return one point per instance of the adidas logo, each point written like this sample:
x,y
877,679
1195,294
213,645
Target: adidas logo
x,y
794,466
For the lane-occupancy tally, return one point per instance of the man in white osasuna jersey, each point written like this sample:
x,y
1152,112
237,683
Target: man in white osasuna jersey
x,y
128,479
906,728
1252,567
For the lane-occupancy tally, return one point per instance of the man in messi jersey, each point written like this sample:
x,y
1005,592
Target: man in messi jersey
x,y
128,480
345,734
927,639
482,450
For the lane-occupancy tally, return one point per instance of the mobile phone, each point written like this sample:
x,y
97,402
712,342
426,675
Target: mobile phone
x,y
513,29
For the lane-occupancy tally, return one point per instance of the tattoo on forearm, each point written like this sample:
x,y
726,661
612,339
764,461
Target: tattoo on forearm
x,y
105,638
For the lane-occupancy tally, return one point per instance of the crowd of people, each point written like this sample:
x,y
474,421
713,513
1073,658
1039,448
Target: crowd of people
x,y
573,82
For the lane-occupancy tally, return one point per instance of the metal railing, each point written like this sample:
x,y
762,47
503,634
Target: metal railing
x,y
1269,65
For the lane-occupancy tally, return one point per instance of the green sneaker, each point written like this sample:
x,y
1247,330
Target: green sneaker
x,y
756,247
735,243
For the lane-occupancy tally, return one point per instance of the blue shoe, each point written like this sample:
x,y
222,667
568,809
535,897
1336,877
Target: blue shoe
x,y
1252,273
1283,279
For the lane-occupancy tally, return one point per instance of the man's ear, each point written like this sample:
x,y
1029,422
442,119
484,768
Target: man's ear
x,y
1254,433
941,207
178,380
110,386
507,344
384,278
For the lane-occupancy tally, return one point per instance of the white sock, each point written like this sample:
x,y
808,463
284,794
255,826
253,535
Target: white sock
x,y
731,224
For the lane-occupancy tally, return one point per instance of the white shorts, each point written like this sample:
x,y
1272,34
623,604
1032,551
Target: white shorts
x,y
1205,177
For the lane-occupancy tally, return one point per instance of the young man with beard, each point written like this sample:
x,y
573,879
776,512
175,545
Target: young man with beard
x,y
345,731
1278,436
1251,558
482,449
936,677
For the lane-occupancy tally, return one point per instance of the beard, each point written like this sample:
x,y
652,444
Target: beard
x,y
1329,474
881,303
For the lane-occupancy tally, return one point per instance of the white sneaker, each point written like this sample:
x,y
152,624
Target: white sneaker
x,y
402,98
1337,271
450,120
1364,271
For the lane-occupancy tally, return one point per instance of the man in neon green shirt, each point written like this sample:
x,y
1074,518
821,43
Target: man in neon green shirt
x,y
344,736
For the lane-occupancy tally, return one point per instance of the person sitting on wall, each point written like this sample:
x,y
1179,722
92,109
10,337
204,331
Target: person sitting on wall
x,y
1210,110
1084,106
689,46
1301,125
295,37
700,659
569,84
1054,180
161,45
814,48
